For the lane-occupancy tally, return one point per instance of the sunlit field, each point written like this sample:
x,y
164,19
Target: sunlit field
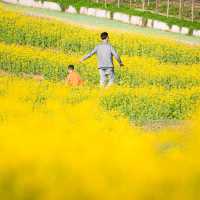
x,y
90,143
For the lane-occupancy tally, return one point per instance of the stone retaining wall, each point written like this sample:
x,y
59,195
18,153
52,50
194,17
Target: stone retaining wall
x,y
121,17
161,25
135,20
27,2
51,6
71,10
11,1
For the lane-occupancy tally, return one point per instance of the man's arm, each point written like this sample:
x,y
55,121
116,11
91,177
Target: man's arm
x,y
115,54
89,54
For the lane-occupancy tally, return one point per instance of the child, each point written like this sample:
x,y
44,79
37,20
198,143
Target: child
x,y
73,78
105,53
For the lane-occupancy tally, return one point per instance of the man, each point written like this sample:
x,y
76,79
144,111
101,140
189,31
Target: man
x,y
105,53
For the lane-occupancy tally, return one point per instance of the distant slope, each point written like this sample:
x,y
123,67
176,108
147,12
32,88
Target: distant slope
x,y
101,23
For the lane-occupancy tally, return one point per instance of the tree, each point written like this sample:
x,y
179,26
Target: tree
x,y
118,3
168,4
143,4
180,8
157,4
192,10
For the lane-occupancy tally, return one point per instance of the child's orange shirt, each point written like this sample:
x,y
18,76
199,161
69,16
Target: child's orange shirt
x,y
73,79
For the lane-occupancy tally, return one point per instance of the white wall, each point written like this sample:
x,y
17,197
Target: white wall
x,y
121,17
184,30
71,9
91,11
175,29
95,12
10,1
136,20
51,6
160,25
196,33
83,10
150,23
37,4
27,2
101,13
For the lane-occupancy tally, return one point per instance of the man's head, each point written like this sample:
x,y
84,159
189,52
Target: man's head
x,y
70,68
104,36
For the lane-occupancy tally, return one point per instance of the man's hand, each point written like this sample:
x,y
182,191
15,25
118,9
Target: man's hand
x,y
81,61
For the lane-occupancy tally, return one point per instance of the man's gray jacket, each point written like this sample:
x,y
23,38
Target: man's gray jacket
x,y
105,53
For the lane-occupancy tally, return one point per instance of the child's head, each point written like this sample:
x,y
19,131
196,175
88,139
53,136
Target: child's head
x,y
70,68
104,36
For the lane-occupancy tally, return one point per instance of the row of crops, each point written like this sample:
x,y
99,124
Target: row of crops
x,y
57,143
33,45
45,33
163,91
138,71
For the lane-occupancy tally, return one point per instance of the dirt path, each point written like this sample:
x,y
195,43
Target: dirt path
x,y
178,125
